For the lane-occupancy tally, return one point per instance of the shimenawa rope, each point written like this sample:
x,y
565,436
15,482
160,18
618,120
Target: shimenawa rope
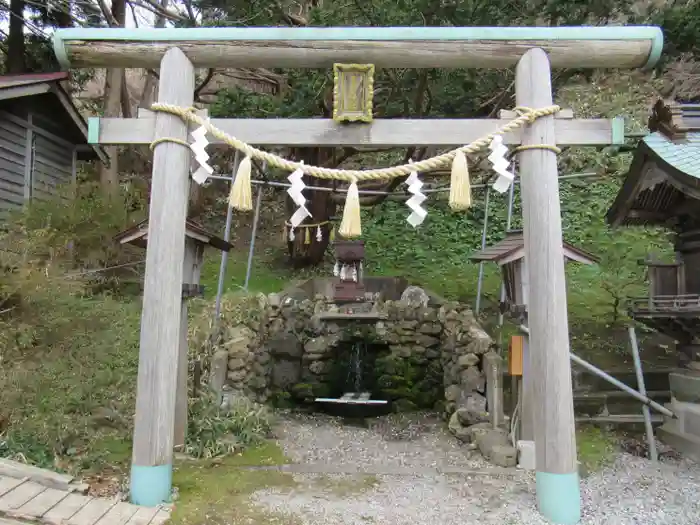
x,y
460,188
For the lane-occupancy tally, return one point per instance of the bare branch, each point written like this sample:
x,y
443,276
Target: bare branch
x,y
203,84
154,7
107,13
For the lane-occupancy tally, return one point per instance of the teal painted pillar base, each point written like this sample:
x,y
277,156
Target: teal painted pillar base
x,y
559,497
151,486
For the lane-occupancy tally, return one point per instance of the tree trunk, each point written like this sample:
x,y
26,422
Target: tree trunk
x,y
321,207
109,175
16,49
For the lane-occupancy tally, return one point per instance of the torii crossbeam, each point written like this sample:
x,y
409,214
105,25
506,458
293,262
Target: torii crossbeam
x,y
533,50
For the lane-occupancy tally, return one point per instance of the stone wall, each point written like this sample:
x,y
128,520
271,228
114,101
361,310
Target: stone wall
x,y
417,355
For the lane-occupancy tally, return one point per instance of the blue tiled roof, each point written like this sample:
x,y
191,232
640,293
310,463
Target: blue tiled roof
x,y
683,156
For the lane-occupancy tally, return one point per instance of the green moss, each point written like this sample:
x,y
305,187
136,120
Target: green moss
x,y
409,384
303,391
218,492
596,448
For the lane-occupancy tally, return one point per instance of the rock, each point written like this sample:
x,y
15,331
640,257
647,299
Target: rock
x,y
452,393
285,373
318,345
479,341
237,347
406,326
504,456
467,360
432,353
489,437
426,340
494,446
263,357
472,380
472,431
293,295
316,325
236,376
415,296
236,364
285,345
430,328
473,410
274,300
456,428
317,367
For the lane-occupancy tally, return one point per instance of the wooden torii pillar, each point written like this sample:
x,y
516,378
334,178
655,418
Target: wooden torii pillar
x,y
196,240
532,49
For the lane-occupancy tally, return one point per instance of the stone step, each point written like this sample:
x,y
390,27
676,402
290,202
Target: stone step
x,y
619,419
686,444
656,379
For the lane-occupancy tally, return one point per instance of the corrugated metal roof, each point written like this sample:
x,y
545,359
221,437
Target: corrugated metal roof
x,y
496,252
9,81
683,155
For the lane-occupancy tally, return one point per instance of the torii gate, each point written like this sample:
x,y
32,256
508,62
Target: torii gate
x,y
533,50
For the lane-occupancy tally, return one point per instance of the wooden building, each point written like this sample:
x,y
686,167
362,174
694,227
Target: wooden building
x,y
509,255
662,188
42,138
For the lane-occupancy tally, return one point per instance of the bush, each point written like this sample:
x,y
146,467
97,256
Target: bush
x,y
214,431
64,242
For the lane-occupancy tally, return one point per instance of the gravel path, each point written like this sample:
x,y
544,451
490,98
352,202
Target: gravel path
x,y
630,492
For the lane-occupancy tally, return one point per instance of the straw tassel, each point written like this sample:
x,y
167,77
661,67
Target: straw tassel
x,y
332,235
307,236
351,225
460,187
241,197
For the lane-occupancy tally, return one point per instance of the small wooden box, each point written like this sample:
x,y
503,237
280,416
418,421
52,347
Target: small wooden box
x,y
353,91
515,356
349,251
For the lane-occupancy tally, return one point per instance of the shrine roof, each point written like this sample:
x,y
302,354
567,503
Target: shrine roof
x,y
512,248
138,236
663,181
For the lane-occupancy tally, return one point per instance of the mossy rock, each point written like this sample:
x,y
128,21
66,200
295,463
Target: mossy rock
x,y
303,391
404,405
281,399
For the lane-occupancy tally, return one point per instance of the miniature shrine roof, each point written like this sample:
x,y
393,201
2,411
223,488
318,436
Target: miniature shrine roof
x,y
663,182
512,248
138,236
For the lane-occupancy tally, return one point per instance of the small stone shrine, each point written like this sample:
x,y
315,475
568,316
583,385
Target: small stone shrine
x,y
349,256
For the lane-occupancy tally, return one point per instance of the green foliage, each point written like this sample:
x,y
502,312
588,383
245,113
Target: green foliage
x,y
69,393
213,431
681,24
60,242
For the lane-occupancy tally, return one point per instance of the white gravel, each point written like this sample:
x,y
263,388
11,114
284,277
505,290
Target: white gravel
x,y
632,491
